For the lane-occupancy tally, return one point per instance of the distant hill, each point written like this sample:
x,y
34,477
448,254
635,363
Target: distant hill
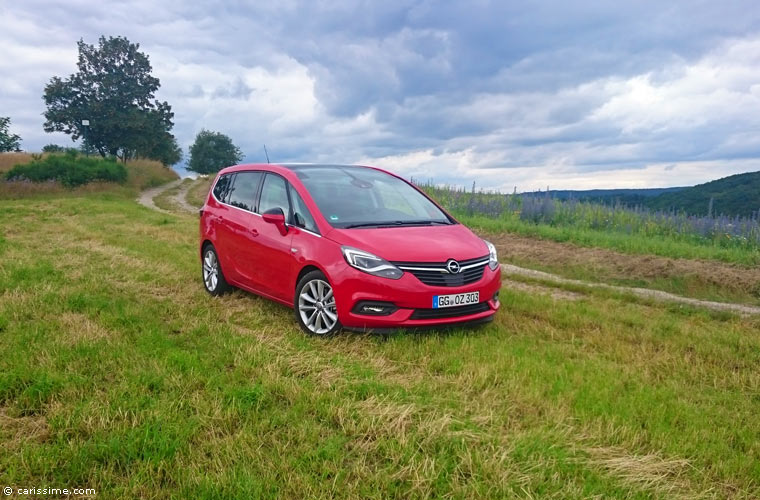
x,y
628,197
735,195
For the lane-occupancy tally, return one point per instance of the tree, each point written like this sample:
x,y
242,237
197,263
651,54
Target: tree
x,y
113,89
211,152
167,151
53,148
8,141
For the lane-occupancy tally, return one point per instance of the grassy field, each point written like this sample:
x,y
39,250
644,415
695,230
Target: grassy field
x,y
679,248
700,279
119,373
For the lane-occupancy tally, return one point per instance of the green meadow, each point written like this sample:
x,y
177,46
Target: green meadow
x,y
118,372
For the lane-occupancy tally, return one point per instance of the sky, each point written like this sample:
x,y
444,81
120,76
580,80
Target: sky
x,y
508,94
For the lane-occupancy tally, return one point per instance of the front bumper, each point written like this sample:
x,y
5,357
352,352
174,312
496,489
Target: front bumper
x,y
412,298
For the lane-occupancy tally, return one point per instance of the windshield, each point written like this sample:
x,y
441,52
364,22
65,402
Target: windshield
x,y
364,197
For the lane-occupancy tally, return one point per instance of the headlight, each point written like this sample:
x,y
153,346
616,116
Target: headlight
x,y
493,261
371,264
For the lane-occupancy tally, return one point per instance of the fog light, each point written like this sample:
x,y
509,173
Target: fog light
x,y
371,308
496,297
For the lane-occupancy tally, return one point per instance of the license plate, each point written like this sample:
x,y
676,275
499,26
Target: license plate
x,y
455,299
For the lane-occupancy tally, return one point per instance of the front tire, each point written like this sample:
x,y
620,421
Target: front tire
x,y
314,305
211,271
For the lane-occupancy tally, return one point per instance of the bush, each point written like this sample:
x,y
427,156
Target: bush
x,y
70,170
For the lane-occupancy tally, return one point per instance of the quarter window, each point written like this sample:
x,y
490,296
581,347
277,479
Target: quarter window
x,y
274,194
222,188
243,192
301,215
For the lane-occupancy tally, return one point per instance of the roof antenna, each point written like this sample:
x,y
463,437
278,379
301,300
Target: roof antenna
x,y
265,152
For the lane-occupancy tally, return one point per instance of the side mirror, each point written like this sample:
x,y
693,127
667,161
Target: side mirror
x,y
277,217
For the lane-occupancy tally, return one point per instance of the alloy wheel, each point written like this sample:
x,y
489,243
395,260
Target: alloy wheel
x,y
316,305
210,270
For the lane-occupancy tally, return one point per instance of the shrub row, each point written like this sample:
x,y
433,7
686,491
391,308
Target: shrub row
x,y
69,169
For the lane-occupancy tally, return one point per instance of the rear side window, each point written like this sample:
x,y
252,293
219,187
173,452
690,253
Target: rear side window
x,y
222,188
274,194
301,215
243,192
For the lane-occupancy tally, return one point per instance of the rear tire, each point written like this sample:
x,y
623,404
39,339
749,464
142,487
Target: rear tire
x,y
211,272
314,305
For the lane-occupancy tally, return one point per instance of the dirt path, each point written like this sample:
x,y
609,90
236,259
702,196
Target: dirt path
x,y
647,293
146,197
181,198
555,293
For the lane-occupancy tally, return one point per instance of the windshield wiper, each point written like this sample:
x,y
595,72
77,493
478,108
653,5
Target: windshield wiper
x,y
392,223
365,224
420,222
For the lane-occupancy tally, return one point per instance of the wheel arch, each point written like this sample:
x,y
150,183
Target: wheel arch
x,y
306,270
205,243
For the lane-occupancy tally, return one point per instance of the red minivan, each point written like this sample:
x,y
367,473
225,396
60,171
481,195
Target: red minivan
x,y
345,246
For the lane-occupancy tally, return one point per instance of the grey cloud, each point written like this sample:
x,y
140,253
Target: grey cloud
x,y
235,90
516,83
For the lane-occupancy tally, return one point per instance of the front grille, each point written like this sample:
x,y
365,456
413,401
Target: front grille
x,y
436,274
450,312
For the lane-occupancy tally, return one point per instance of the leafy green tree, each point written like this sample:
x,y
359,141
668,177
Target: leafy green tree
x,y
53,148
167,151
211,152
113,89
8,141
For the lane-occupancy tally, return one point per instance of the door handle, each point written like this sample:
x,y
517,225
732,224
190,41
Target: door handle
x,y
254,231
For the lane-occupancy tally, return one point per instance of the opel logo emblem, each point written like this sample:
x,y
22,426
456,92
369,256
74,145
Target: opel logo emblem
x,y
452,266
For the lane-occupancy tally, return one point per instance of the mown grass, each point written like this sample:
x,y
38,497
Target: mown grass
x,y
118,372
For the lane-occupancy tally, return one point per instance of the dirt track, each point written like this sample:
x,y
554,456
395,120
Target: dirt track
x,y
181,198
146,197
639,292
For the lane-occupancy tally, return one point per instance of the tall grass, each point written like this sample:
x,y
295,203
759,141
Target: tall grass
x,y
143,174
634,229
9,160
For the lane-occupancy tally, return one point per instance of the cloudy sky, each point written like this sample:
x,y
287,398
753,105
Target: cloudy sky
x,y
576,95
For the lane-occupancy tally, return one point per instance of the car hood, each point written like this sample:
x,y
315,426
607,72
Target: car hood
x,y
414,243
